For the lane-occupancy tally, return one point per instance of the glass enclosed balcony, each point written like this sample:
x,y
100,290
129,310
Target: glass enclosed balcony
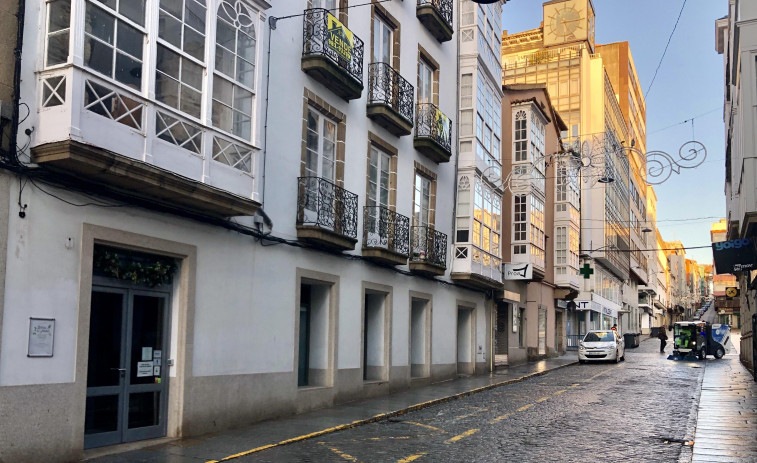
x,y
428,251
326,214
390,99
436,15
386,235
433,133
332,54
475,267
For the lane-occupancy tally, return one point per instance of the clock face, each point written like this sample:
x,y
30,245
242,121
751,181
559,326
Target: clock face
x,y
564,21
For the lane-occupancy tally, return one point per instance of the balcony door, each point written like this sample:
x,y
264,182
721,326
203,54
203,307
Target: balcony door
x,y
320,170
382,41
425,83
127,385
421,201
378,198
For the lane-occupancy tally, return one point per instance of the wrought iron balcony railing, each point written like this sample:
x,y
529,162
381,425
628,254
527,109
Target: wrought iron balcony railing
x,y
323,35
322,204
385,228
431,123
443,7
387,86
428,245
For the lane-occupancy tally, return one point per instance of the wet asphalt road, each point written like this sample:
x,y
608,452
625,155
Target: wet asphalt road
x,y
643,409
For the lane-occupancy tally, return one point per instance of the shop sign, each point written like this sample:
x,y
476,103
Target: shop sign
x,y
735,255
518,271
340,39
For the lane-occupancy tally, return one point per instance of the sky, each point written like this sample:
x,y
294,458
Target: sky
x,y
689,85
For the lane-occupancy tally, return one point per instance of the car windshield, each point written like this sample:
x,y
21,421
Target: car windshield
x,y
599,336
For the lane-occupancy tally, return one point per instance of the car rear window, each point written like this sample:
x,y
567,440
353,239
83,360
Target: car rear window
x,y
599,336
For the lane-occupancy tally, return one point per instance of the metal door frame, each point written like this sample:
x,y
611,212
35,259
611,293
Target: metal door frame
x,y
123,433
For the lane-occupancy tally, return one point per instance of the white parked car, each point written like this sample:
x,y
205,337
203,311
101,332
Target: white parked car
x,y
601,345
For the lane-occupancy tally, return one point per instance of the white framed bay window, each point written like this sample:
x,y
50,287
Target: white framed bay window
x,y
181,71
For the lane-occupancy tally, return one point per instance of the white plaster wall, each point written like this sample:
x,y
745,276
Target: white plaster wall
x,y
245,295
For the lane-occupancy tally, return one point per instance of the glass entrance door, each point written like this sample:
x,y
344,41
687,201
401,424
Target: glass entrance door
x,y
126,379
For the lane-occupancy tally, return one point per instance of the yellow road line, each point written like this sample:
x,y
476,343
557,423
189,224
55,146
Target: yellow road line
x,y
343,455
427,426
574,385
500,418
411,458
543,399
561,391
524,408
461,436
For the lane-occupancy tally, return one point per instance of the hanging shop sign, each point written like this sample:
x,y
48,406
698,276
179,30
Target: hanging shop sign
x,y
518,271
340,39
735,256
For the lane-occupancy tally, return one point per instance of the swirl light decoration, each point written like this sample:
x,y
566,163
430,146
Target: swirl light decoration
x,y
659,165
589,156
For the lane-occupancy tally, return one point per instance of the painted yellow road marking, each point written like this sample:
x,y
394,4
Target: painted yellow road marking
x,y
427,426
411,458
383,438
561,391
344,456
461,436
500,418
524,408
574,385
543,399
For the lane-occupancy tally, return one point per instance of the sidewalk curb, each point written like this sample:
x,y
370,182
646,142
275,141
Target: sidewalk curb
x,y
392,414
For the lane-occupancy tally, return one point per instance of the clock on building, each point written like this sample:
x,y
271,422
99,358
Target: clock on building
x,y
564,22
568,21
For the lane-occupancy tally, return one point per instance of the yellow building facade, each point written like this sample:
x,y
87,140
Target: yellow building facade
x,y
596,91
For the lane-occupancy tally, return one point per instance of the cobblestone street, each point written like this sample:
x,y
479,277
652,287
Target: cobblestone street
x,y
641,409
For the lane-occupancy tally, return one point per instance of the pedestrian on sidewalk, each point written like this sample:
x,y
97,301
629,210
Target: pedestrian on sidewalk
x,y
663,337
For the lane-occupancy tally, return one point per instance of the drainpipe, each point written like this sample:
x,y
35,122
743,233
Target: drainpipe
x,y
12,154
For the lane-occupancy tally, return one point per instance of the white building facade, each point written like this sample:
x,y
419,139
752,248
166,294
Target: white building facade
x,y
230,217
736,40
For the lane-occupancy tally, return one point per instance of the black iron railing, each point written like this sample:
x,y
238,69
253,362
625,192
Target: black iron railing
x,y
322,36
322,204
432,123
384,228
387,86
444,7
428,245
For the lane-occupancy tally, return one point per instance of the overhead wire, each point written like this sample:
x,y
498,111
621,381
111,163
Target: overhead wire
x,y
665,51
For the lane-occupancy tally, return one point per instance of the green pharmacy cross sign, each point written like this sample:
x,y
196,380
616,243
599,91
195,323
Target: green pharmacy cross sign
x,y
586,271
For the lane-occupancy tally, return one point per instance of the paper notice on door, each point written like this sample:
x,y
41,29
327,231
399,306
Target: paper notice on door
x,y
144,369
156,371
146,354
157,355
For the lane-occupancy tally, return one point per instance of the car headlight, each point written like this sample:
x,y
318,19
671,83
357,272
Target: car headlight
x,y
693,343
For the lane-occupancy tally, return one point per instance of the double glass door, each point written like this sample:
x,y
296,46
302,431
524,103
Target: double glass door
x,y
127,380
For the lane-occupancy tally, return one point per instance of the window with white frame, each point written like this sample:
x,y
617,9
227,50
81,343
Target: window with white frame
x,y
180,59
487,217
234,77
488,122
561,247
520,137
58,30
191,58
520,223
114,36
536,238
